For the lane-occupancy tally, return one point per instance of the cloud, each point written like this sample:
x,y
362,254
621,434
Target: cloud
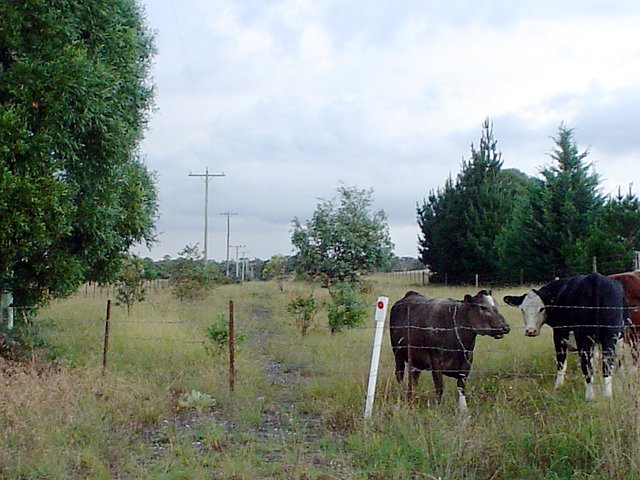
x,y
290,97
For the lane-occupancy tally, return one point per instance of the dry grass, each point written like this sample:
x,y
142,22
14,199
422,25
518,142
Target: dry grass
x,y
297,408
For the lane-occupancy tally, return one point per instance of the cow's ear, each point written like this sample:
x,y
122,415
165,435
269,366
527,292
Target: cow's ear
x,y
468,298
514,301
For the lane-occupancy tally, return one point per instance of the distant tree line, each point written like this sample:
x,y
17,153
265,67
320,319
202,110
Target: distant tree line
x,y
509,227
277,267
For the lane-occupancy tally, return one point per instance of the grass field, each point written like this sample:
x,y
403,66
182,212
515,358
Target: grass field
x,y
296,412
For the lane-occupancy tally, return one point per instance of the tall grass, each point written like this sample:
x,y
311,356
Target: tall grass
x,y
297,408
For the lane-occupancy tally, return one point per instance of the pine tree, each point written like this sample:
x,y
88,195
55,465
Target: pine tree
x,y
461,222
546,232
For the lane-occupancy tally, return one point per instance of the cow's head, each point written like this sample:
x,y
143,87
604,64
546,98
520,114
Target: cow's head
x,y
484,317
534,312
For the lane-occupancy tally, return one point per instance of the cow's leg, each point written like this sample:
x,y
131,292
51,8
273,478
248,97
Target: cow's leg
x,y
438,383
462,399
415,374
399,366
631,339
560,338
586,364
608,359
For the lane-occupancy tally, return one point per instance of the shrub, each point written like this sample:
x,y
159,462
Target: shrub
x,y
192,278
303,308
218,335
130,283
346,310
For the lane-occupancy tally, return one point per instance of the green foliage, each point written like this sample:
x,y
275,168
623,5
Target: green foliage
x,y
275,268
346,309
343,240
196,399
548,231
152,270
74,100
24,339
130,283
613,237
218,335
191,278
303,308
460,223
508,227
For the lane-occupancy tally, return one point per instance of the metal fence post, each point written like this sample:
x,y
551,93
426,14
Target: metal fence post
x,y
380,315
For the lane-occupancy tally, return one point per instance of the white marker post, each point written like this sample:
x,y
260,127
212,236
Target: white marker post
x,y
381,313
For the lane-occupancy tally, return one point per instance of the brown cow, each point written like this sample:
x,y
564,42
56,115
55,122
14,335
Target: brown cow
x,y
630,282
443,333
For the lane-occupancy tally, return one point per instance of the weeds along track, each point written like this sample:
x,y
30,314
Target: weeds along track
x,y
280,415
277,428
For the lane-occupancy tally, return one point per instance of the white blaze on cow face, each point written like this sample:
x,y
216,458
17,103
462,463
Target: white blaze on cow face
x,y
534,313
490,300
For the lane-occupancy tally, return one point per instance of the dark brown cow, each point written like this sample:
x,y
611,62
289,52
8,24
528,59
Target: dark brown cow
x,y
630,282
443,334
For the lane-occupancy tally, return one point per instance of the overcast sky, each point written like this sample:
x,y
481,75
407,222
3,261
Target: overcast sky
x,y
290,98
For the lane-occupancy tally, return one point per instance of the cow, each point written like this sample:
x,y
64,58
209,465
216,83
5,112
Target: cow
x,y
592,307
630,282
442,334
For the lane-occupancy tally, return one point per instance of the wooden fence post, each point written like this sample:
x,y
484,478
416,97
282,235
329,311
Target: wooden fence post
x,y
105,351
409,361
232,367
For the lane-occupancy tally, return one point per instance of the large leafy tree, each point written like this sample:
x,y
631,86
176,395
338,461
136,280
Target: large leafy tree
x,y
344,239
74,100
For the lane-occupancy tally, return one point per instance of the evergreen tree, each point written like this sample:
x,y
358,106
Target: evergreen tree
x,y
546,232
439,244
522,241
461,222
614,237
573,201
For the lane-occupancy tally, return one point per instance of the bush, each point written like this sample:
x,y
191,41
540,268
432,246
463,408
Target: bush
x,y
130,283
303,308
346,310
192,278
218,335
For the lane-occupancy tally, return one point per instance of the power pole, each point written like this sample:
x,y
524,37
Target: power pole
x,y
228,214
237,247
244,264
207,176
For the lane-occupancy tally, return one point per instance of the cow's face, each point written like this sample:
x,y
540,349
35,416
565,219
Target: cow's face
x,y
533,311
485,318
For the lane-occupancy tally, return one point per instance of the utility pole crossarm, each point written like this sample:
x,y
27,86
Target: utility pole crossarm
x,y
207,176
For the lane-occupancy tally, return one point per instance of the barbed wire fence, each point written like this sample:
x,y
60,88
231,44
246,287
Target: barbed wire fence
x,y
605,264
358,341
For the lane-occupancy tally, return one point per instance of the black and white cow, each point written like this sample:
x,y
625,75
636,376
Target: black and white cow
x,y
592,307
